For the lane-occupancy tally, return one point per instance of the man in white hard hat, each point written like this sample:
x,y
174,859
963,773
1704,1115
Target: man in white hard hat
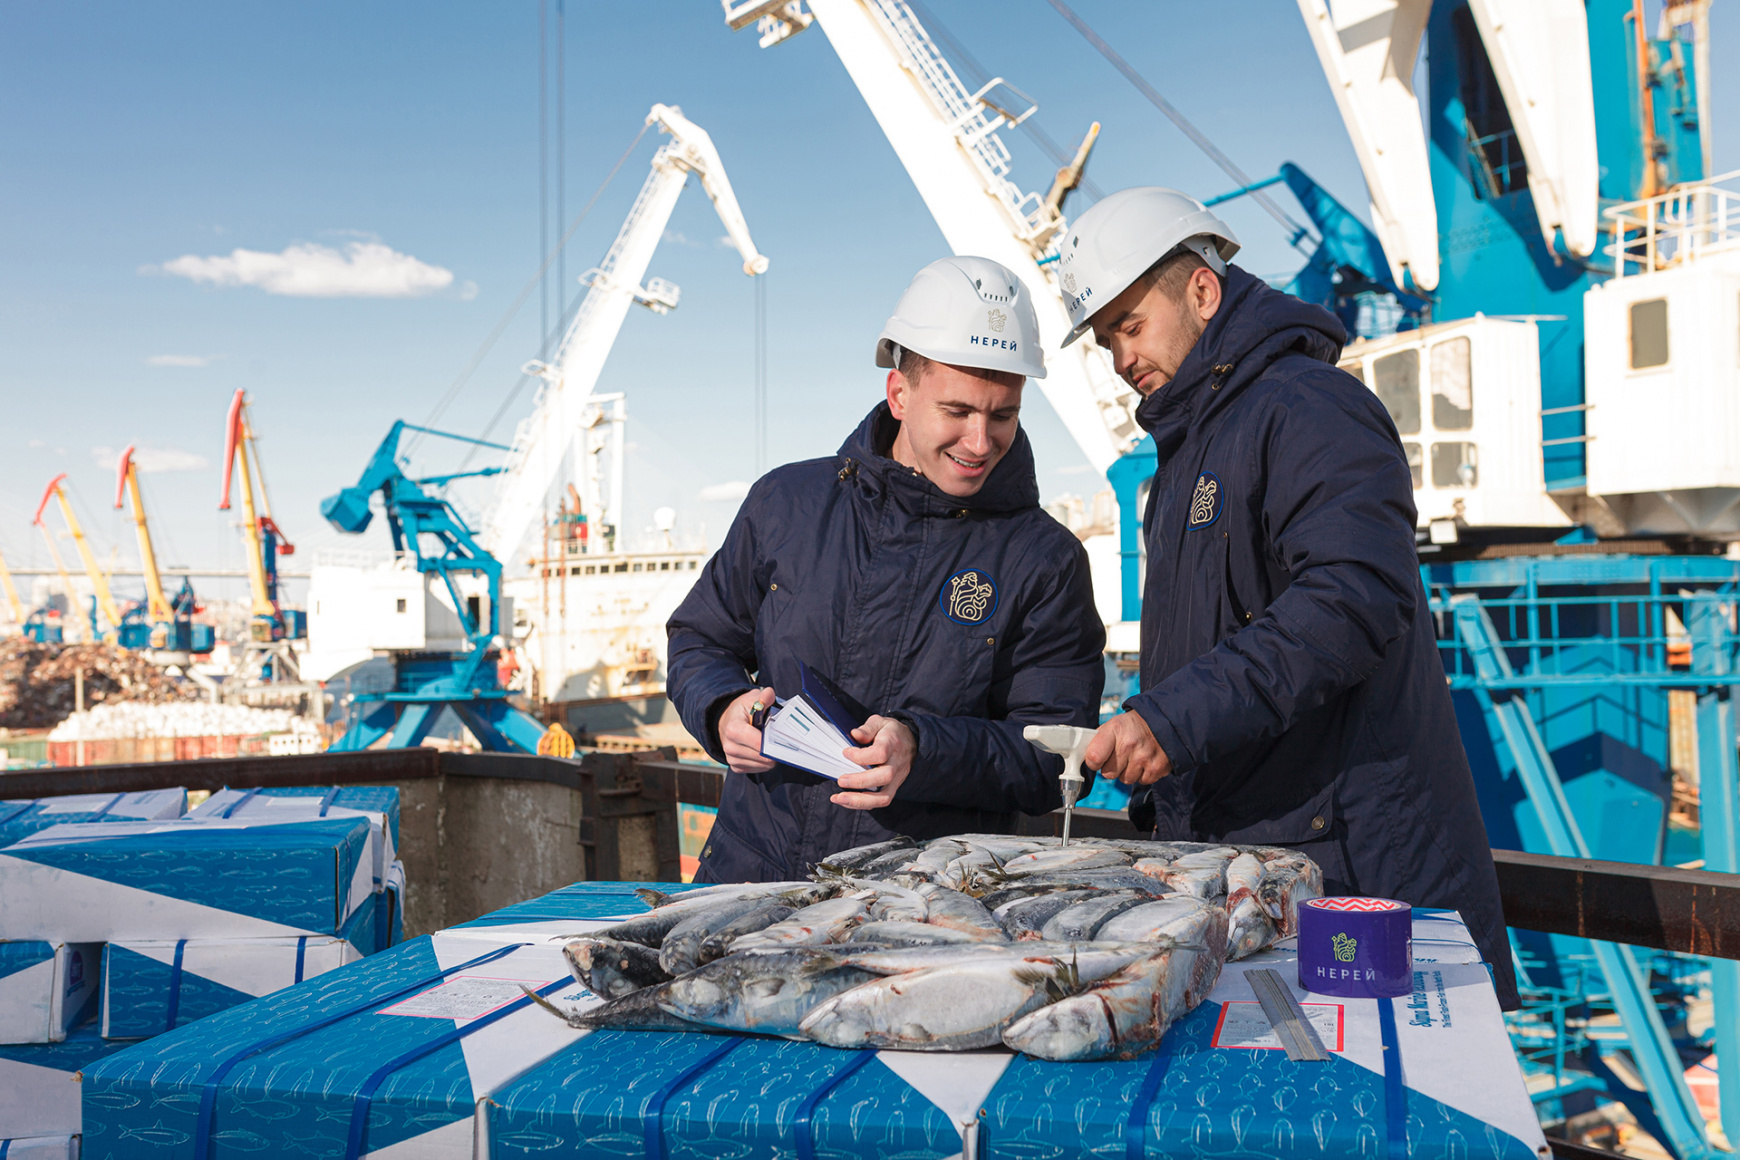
x,y
916,570
1291,688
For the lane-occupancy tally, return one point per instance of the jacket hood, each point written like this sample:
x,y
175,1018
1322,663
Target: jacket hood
x,y
1256,325
1011,486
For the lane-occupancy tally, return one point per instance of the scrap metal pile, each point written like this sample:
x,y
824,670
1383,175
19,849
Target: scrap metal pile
x,y
36,680
1082,952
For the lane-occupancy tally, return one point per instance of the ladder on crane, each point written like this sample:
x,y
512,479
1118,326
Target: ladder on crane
x,y
544,440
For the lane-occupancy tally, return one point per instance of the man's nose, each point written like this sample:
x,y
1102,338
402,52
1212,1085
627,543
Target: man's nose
x,y
1123,357
977,439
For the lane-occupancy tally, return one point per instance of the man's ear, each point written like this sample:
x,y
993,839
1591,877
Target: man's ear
x,y
898,391
1204,293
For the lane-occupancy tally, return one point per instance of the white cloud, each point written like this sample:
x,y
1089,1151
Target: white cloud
x,y
177,360
735,489
38,443
158,459
309,270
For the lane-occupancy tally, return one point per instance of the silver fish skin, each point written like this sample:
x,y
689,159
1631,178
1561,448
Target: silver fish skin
x,y
612,969
958,912
1090,961
649,929
1243,875
1249,930
1216,858
948,1008
1025,918
886,864
891,901
1181,917
635,1011
995,900
1118,1018
657,898
1079,922
766,992
680,951
1196,881
1110,878
821,923
718,944
1071,859
858,857
907,934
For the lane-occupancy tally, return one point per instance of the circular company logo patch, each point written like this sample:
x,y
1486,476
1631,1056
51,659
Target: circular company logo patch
x,y
1205,501
968,597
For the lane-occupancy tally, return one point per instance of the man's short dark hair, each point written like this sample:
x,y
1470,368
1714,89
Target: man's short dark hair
x,y
912,365
1173,272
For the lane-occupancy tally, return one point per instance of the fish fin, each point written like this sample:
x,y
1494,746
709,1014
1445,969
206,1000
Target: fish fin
x,y
564,1016
653,898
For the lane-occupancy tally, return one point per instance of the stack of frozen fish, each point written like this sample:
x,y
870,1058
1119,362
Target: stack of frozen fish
x,y
1065,953
123,916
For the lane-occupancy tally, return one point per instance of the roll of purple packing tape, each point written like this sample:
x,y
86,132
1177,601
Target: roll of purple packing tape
x,y
1356,948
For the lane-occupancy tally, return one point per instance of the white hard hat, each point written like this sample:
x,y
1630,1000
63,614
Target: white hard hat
x,y
1120,236
971,312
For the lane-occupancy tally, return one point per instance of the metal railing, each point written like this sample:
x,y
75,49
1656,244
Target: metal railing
x,y
1677,227
1606,639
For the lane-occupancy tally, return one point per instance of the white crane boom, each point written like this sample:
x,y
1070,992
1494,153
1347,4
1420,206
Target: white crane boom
x,y
1367,50
543,441
1539,51
946,138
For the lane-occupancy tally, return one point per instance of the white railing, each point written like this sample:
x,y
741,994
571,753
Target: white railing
x,y
1676,227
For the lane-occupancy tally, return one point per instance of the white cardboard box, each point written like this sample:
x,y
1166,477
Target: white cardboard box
x,y
46,988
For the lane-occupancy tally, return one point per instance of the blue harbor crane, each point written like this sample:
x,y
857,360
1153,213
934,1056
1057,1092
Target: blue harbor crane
x,y
426,529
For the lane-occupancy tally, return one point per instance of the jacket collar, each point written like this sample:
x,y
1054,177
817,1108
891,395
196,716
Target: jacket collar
x,y
866,454
1255,325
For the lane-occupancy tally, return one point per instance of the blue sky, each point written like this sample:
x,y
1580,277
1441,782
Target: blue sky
x,y
135,137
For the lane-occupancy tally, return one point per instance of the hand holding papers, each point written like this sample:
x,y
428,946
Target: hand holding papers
x,y
811,730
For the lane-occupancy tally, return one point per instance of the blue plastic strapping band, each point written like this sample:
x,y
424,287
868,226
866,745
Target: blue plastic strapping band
x,y
301,955
326,801
5,1147
174,1007
1136,1126
1395,1095
653,1119
8,818
247,796
104,812
208,1091
806,1144
357,1139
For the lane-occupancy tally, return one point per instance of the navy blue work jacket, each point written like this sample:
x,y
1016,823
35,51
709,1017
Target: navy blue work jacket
x,y
1289,664
966,618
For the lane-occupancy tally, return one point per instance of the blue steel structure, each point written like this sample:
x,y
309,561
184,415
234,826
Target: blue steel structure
x,y
426,527
1560,664
1560,668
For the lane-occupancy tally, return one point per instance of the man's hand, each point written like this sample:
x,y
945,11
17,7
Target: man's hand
x,y
739,736
1125,749
886,748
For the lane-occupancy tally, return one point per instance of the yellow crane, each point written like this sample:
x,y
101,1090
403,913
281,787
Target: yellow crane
x,y
265,541
99,582
11,593
127,484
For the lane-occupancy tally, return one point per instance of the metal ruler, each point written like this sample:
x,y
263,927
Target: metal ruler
x,y
1297,1036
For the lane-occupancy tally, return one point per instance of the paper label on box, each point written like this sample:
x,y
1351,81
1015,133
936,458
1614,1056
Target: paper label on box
x,y
72,805
1243,1024
463,997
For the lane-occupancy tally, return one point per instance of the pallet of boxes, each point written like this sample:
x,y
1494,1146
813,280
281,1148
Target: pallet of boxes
x,y
124,916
